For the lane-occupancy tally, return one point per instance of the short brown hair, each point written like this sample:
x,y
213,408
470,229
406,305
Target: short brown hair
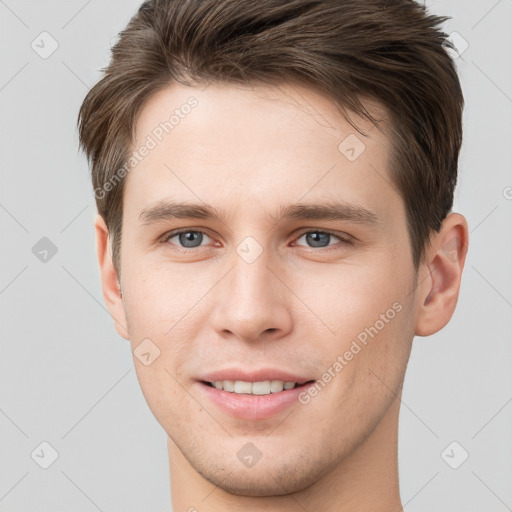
x,y
391,51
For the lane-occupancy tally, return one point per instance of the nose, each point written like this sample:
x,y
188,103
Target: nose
x,y
253,303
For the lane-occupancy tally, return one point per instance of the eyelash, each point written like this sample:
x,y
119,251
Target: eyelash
x,y
165,239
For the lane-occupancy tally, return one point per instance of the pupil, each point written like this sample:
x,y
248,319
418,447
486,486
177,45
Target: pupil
x,y
317,237
189,237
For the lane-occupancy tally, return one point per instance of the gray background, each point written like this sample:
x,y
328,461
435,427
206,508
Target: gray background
x,y
68,379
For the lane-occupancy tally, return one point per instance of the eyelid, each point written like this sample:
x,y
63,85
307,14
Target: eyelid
x,y
171,234
344,238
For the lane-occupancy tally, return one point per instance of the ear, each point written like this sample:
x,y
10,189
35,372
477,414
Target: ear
x,y
440,276
109,280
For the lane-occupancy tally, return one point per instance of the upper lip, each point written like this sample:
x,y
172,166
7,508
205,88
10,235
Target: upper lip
x,y
253,375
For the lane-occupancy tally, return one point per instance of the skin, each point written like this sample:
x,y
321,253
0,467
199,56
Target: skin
x,y
250,151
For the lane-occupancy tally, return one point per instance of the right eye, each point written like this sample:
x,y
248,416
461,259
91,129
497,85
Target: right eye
x,y
186,238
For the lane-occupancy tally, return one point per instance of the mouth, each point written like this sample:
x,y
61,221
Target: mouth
x,y
260,388
255,394
252,400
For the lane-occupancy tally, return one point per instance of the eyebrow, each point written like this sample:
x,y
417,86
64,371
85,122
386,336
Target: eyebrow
x,y
168,209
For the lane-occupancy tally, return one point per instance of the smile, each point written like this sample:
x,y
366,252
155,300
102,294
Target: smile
x,y
265,387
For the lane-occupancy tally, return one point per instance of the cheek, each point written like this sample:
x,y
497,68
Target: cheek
x,y
344,300
168,309
383,344
369,314
158,300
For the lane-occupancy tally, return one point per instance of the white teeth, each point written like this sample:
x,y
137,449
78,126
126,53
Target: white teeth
x,y
278,385
261,388
264,387
243,387
229,385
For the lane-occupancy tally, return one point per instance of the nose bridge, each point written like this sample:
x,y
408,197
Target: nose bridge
x,y
251,274
249,299
251,281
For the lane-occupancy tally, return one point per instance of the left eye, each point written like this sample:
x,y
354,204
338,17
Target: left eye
x,y
319,238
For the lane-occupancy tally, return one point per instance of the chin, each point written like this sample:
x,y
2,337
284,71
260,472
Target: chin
x,y
263,482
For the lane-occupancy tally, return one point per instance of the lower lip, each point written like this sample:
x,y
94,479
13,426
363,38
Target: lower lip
x,y
252,407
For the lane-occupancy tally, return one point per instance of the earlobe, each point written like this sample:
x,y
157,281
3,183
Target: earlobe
x,y
438,292
109,280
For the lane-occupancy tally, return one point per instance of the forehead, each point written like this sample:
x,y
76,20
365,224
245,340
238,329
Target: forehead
x,y
244,113
256,145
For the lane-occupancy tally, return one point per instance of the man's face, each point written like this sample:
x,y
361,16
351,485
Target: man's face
x,y
255,296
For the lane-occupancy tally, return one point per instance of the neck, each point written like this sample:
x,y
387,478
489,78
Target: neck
x,y
365,481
